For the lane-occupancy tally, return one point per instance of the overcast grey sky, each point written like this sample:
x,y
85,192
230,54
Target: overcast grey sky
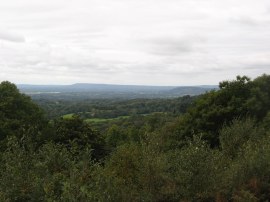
x,y
153,42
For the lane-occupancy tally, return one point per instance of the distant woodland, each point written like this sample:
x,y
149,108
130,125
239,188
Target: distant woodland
x,y
209,147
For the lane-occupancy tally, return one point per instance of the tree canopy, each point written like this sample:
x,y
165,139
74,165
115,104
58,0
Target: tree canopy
x,y
235,99
219,150
18,114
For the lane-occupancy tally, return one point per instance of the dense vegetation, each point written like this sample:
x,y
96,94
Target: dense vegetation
x,y
216,150
112,108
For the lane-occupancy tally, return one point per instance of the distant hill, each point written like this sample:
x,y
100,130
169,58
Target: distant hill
x,y
97,91
190,90
91,87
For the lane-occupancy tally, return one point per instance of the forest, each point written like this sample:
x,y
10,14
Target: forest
x,y
209,147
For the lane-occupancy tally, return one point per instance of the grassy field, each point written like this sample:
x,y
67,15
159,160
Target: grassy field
x,y
97,120
68,116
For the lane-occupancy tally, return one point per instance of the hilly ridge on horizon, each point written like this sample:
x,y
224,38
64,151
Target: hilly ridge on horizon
x,y
105,91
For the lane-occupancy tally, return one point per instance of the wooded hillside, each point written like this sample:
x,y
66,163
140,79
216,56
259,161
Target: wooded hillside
x,y
212,147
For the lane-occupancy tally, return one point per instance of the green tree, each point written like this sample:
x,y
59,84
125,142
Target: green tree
x,y
78,131
233,100
115,136
258,102
18,114
234,136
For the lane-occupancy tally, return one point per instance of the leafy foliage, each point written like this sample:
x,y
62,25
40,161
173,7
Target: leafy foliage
x,y
235,99
18,114
75,130
217,151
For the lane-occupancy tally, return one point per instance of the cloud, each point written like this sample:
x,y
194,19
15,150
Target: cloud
x,y
245,20
174,42
169,46
10,36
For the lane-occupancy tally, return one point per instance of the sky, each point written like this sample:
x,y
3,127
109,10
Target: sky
x,y
143,42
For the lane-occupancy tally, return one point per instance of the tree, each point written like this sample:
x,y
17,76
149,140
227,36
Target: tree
x,y
18,114
211,110
258,102
78,131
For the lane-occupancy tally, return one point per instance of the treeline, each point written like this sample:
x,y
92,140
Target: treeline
x,y
219,150
112,108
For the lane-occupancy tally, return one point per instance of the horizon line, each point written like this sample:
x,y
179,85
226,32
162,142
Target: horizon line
x,y
111,84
